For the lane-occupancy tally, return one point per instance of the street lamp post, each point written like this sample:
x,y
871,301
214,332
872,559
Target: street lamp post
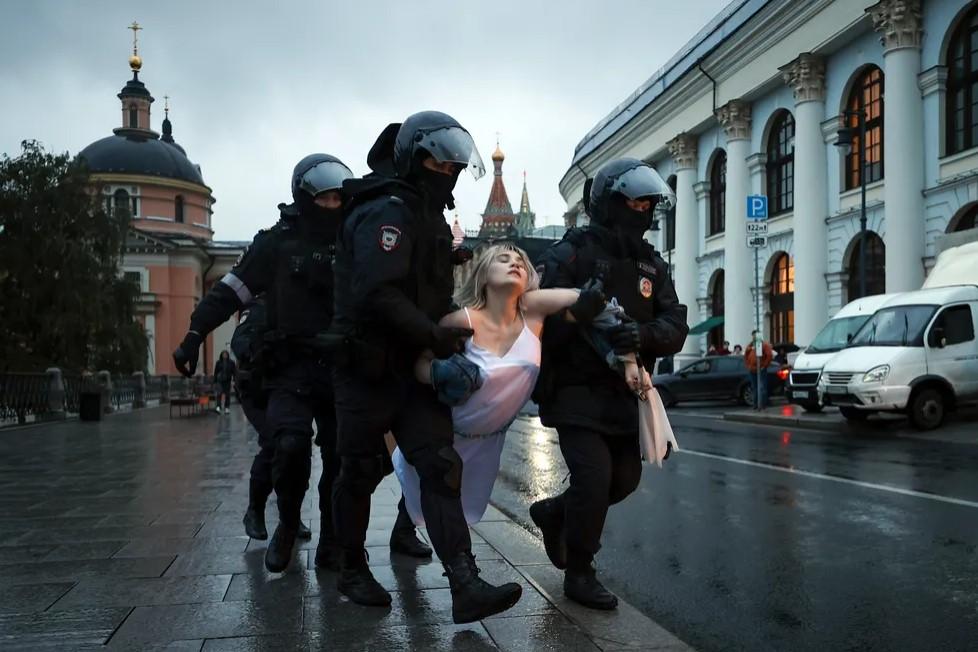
x,y
844,143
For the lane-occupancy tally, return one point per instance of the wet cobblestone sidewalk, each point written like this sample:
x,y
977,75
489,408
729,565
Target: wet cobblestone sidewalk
x,y
127,533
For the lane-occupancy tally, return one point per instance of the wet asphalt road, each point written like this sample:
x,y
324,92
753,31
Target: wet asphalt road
x,y
760,538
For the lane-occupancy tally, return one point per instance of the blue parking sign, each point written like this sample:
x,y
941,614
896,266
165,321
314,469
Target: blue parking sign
x,y
756,207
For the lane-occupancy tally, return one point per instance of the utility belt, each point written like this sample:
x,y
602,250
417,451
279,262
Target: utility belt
x,y
352,350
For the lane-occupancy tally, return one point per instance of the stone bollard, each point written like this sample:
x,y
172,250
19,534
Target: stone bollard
x,y
164,389
139,400
105,384
56,393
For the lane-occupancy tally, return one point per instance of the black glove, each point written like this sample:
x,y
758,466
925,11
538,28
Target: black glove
x,y
461,255
455,379
590,303
447,341
185,356
625,338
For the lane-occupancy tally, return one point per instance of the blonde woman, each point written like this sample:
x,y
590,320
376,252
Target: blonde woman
x,y
503,304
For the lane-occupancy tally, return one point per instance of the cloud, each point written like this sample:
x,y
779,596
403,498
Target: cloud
x,y
255,86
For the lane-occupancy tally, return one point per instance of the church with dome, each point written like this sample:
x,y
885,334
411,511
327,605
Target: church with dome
x,y
170,251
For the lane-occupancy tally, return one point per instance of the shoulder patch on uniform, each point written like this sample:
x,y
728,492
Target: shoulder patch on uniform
x,y
389,237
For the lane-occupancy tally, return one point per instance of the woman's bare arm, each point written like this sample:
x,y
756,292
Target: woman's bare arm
x,y
543,303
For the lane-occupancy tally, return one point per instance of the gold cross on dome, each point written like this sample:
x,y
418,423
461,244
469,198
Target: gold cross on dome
x,y
135,36
166,106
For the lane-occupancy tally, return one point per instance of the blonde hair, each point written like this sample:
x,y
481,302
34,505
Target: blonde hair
x,y
472,294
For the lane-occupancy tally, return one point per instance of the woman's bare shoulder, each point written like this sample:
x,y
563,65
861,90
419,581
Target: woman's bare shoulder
x,y
456,319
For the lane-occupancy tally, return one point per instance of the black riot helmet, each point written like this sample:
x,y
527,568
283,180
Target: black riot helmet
x,y
626,178
437,134
316,174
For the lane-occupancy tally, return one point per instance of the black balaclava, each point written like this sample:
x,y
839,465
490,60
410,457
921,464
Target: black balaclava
x,y
630,224
315,221
436,187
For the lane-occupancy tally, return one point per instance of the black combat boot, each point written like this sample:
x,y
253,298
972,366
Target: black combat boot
x,y
254,522
548,515
357,582
472,598
583,587
279,552
406,542
303,532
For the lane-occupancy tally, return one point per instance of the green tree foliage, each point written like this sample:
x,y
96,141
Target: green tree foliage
x,y
62,300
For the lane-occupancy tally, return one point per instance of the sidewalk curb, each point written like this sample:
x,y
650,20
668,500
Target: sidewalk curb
x,y
626,628
772,420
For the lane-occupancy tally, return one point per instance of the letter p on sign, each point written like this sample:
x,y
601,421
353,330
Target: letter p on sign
x,y
756,207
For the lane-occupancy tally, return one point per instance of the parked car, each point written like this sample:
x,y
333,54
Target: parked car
x,y
917,354
806,369
719,377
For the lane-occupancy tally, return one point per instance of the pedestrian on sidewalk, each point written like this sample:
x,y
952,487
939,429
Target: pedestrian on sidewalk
x,y
492,379
224,372
394,282
724,348
738,350
591,406
752,362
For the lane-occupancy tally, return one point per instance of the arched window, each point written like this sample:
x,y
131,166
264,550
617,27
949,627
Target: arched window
x,y
178,209
133,117
121,203
962,84
718,193
966,220
715,336
669,238
866,96
783,300
875,267
781,164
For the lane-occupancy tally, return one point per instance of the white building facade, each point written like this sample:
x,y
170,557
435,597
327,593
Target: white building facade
x,y
753,105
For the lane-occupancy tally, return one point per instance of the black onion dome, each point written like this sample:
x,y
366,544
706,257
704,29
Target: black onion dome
x,y
130,154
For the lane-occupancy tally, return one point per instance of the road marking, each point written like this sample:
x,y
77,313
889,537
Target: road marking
x,y
820,476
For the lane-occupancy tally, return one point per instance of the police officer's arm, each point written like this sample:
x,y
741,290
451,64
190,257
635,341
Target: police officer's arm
x,y
246,279
666,333
382,245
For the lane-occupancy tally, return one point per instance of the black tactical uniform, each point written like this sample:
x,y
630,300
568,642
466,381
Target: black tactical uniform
x,y
592,408
291,263
246,344
393,283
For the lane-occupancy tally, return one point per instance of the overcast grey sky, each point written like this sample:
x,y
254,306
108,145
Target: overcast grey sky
x,y
254,86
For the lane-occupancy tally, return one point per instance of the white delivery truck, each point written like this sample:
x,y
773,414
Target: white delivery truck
x,y
802,387
917,355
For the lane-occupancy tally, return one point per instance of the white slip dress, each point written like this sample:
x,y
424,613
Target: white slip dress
x,y
481,423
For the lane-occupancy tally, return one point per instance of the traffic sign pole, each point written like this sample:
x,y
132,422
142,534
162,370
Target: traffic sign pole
x,y
757,238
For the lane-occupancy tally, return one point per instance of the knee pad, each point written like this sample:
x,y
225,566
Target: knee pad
x,y
295,443
361,475
440,470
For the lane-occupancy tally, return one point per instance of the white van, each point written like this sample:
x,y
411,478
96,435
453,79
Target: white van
x,y
802,387
917,354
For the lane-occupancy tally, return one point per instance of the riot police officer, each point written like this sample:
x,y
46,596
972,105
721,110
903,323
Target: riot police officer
x,y
593,410
291,263
394,282
246,344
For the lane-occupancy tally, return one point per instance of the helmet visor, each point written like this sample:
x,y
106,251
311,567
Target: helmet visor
x,y
643,181
328,175
455,145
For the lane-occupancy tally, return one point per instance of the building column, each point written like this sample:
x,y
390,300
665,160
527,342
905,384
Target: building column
x,y
899,22
683,150
806,76
738,266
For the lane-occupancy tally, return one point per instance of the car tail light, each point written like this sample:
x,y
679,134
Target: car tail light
x,y
783,373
